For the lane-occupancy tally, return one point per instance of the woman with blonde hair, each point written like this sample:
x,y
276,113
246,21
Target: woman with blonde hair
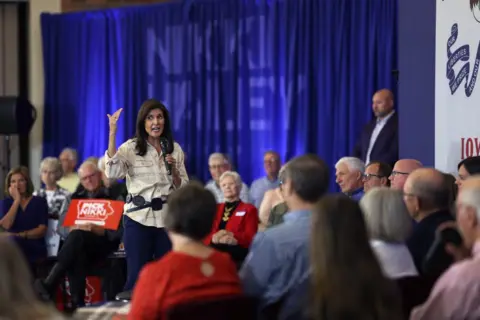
x,y
347,281
389,225
17,299
56,196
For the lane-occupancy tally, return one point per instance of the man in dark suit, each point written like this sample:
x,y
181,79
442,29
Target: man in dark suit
x,y
379,138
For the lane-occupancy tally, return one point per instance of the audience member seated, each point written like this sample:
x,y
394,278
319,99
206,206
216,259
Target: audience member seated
x,y
452,186
56,196
17,299
457,292
271,163
273,206
191,271
376,175
389,225
84,246
25,217
69,180
117,190
401,170
278,263
218,164
347,280
427,198
349,176
466,168
236,222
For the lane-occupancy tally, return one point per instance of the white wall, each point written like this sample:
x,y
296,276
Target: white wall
x,y
36,85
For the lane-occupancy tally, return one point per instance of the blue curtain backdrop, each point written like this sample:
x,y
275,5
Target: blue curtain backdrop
x,y
240,77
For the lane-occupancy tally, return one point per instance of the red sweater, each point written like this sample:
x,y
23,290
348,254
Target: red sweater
x,y
179,278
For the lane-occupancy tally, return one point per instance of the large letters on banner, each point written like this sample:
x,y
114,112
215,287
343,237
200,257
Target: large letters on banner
x,y
102,212
457,98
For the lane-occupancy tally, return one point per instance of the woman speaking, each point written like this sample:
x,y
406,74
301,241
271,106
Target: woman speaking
x,y
153,165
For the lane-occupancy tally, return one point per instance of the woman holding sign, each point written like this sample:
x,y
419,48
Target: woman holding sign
x,y
153,165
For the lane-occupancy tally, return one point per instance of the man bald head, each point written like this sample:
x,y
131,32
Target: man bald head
x,y
468,210
425,191
382,103
401,170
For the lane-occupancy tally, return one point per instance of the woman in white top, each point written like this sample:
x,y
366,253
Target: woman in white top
x,y
56,196
153,165
389,225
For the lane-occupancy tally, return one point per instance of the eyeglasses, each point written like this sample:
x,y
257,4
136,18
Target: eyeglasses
x,y
395,173
85,178
270,161
367,176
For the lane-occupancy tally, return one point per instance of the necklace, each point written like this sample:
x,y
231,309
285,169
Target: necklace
x,y
226,213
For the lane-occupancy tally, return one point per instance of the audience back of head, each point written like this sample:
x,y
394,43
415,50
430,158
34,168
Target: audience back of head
x,y
17,298
191,211
386,215
347,279
306,178
429,187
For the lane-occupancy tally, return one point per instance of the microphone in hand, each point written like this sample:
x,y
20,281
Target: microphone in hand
x,y
164,148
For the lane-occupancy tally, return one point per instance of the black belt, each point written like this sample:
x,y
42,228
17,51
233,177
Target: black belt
x,y
140,203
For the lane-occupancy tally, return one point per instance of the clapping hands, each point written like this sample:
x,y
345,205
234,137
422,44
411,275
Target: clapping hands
x,y
224,237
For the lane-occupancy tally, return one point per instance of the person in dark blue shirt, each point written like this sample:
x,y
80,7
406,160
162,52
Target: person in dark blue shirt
x,y
24,217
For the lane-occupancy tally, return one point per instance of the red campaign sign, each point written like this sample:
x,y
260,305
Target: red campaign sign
x,y
101,212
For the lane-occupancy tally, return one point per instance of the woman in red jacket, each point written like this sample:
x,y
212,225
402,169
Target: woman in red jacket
x,y
192,271
236,222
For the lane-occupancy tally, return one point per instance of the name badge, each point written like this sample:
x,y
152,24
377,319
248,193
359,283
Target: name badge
x,y
240,213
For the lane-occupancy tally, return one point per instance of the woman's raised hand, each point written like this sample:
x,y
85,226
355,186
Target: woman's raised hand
x,y
112,120
13,191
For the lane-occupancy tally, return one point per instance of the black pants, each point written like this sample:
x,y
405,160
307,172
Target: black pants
x,y
237,253
80,252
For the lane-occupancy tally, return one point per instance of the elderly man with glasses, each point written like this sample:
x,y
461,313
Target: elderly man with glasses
x,y
401,170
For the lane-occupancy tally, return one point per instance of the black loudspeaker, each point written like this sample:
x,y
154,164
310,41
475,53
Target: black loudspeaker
x,y
17,116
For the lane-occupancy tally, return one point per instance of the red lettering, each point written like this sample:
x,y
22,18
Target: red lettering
x,y
470,147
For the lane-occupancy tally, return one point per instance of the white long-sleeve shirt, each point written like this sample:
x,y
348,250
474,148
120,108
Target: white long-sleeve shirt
x,y
145,176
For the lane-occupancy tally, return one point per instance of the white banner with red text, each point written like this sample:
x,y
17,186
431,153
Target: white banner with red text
x,y
457,97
